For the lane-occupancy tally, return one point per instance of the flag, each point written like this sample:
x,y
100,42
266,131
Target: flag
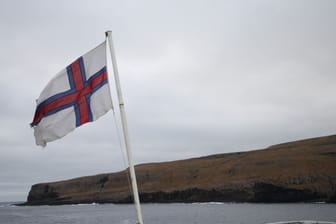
x,y
76,95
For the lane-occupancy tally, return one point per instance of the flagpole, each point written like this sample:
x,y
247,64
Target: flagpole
x,y
125,129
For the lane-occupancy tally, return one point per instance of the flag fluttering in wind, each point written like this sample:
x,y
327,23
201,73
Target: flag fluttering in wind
x,y
76,95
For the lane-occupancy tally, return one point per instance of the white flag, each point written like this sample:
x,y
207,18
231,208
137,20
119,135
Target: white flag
x,y
76,95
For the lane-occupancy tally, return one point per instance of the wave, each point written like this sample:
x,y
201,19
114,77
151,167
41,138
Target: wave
x,y
86,204
210,203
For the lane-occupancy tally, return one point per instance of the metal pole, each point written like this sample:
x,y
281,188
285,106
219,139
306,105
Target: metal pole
x,y
125,129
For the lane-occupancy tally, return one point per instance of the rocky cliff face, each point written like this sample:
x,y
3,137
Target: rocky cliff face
x,y
297,171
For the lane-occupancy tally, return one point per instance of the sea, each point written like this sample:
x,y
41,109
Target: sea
x,y
195,213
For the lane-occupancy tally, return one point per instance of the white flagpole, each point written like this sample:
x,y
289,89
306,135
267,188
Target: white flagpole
x,y
125,129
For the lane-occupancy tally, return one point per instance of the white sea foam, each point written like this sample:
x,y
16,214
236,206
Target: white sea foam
x,y
209,203
85,204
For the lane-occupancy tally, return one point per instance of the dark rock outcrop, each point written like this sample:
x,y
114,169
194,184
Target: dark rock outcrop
x,y
291,172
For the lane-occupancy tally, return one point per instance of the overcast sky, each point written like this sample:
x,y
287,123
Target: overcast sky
x,y
198,78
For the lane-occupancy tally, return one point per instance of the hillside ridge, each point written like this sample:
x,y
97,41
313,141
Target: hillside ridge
x,y
297,171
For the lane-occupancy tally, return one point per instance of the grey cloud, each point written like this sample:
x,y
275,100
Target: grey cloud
x,y
198,78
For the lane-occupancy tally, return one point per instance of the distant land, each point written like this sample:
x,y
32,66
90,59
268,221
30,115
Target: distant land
x,y
300,171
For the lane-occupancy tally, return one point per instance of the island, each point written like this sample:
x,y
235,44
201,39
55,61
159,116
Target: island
x,y
299,171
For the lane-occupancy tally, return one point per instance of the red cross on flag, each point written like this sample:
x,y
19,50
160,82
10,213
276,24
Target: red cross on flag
x,y
76,95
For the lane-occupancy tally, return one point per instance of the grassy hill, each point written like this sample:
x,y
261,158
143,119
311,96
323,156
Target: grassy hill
x,y
291,172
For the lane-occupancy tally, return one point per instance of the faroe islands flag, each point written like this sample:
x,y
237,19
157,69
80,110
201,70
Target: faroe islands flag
x,y
76,95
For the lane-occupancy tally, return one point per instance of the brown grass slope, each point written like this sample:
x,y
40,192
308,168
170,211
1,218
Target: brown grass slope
x,y
297,171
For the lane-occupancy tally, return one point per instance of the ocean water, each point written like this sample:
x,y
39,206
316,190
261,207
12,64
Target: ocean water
x,y
201,213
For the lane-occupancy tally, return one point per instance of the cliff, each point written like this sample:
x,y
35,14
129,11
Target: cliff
x,y
291,172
